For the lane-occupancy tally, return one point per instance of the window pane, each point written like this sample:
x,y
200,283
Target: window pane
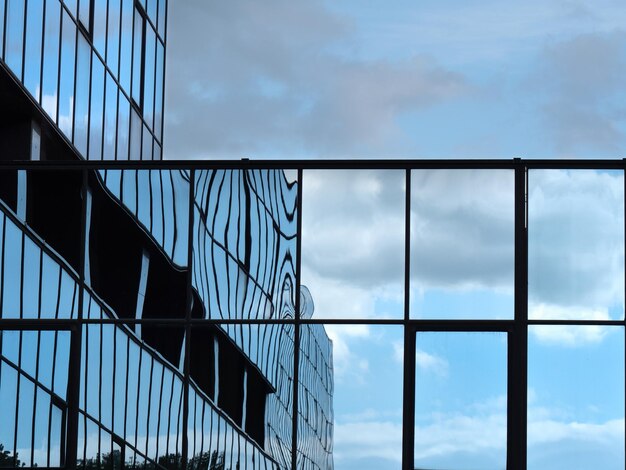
x,y
113,36
575,397
462,244
149,71
32,67
353,242
138,40
97,110
81,104
66,85
460,400
13,54
576,244
110,118
49,96
123,126
84,12
158,99
350,396
126,44
2,9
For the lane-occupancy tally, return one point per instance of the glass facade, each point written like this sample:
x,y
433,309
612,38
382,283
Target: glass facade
x,y
153,315
95,67
159,332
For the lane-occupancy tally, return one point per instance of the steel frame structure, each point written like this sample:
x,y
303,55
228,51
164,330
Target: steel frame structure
x,y
516,329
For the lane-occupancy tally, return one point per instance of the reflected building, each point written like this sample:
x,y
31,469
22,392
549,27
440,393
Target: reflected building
x,y
145,312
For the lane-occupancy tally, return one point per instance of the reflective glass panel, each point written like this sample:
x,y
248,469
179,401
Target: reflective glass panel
x,y
96,123
244,244
575,397
34,31
65,117
113,36
462,244
14,37
576,244
350,396
460,400
353,242
49,97
81,104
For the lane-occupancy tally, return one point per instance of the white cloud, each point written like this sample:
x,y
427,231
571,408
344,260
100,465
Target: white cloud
x,y
576,241
346,364
431,363
368,439
462,229
568,335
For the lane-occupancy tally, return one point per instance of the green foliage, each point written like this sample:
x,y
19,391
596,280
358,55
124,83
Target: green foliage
x,y
8,460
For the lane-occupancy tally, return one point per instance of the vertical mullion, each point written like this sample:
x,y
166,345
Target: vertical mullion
x,y
4,29
113,383
624,319
186,366
24,40
408,396
296,316
76,47
517,361
58,83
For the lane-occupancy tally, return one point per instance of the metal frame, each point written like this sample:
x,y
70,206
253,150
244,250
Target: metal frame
x,y
516,328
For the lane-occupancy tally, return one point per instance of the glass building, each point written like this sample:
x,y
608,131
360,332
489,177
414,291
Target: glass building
x,y
147,312
153,314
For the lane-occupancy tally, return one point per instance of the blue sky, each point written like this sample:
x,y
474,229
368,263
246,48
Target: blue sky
x,y
414,79
445,79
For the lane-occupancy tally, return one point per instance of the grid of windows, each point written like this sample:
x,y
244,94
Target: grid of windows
x,y
496,341
182,345
95,67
